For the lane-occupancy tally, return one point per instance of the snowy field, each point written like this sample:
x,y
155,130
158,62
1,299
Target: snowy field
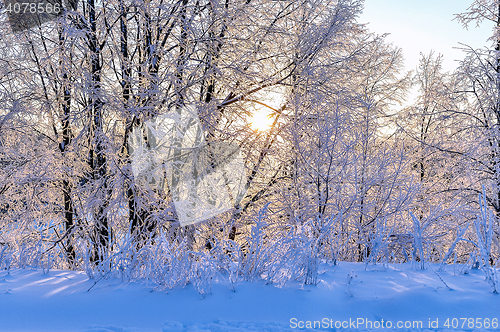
x,y
398,294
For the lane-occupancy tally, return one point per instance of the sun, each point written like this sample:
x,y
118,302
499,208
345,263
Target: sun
x,y
265,106
261,121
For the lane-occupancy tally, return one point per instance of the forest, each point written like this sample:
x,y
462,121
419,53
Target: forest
x,y
179,140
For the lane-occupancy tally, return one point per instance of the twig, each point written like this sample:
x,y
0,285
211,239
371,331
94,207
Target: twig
x,y
440,278
95,283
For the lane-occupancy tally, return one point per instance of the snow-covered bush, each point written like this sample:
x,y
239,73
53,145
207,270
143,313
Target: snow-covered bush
x,y
378,242
274,252
257,254
322,229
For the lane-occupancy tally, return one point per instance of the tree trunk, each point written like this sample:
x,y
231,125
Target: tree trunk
x,y
97,157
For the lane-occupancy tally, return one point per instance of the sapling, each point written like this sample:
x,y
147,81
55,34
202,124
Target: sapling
x,y
46,268
350,277
3,255
460,234
417,236
484,233
5,259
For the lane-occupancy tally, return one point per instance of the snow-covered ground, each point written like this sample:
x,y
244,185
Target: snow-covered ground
x,y
400,294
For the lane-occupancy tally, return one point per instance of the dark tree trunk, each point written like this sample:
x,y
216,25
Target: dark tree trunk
x,y
97,157
63,147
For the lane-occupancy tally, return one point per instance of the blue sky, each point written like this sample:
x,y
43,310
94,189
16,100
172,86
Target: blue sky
x,y
424,25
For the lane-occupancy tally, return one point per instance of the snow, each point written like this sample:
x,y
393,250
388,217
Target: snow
x,y
60,301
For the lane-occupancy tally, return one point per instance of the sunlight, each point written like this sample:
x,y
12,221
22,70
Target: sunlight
x,y
260,120
262,116
387,130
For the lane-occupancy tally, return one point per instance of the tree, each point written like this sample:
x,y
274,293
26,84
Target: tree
x,y
426,123
105,68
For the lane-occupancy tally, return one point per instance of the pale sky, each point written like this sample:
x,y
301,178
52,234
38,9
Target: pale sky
x,y
424,25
